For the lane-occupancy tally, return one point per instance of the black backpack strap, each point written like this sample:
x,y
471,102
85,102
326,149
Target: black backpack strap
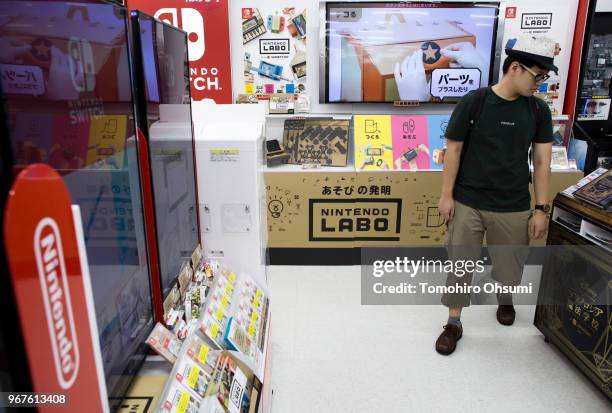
x,y
537,110
476,108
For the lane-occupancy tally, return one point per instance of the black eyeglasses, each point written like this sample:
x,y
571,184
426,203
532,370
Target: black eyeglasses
x,y
539,77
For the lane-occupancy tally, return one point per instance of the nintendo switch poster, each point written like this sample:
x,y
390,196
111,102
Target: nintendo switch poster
x,y
554,20
436,129
207,27
412,52
373,142
410,143
401,143
274,43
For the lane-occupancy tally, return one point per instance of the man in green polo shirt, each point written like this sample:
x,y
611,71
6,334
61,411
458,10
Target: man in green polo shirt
x,y
485,190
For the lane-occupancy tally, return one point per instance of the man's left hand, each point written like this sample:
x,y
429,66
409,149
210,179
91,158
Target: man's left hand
x,y
537,224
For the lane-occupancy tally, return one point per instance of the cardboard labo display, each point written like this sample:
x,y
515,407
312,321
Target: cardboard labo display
x,y
322,141
275,153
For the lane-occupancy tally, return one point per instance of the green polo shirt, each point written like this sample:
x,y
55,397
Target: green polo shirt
x,y
494,172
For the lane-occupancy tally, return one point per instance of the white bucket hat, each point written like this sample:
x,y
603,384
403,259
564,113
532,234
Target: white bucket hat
x,y
538,49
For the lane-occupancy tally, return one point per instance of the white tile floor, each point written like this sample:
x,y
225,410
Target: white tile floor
x,y
331,354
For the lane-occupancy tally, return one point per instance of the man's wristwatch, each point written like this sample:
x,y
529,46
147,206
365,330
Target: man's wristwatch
x,y
542,207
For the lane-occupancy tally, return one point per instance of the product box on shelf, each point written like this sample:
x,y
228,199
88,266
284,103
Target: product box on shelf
x,y
207,380
227,310
178,399
198,351
235,317
322,141
164,343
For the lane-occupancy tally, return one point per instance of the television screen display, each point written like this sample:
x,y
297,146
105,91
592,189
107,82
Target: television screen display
x,y
424,52
594,100
161,68
67,93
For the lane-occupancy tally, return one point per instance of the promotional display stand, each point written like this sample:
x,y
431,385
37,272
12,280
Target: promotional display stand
x,y
229,154
575,299
48,263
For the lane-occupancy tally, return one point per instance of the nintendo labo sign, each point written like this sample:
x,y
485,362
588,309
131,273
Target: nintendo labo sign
x,y
355,219
345,210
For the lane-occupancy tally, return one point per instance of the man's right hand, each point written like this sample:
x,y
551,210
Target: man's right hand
x,y
446,206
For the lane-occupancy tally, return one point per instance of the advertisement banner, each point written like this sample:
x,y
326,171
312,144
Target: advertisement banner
x,y
207,27
554,20
436,128
362,209
425,52
50,278
274,41
373,142
410,143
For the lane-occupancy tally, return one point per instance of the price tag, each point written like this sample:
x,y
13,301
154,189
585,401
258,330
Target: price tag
x,y
203,354
256,301
193,377
259,293
224,301
254,315
214,330
249,89
220,313
232,277
183,402
252,330
229,289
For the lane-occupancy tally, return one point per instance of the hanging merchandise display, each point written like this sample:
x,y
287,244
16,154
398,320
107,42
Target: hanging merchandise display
x,y
207,27
553,20
274,42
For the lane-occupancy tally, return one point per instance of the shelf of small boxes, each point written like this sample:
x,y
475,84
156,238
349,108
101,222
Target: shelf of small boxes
x,y
216,337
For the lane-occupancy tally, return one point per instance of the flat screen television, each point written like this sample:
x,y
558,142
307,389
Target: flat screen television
x,y
67,94
376,52
161,77
594,99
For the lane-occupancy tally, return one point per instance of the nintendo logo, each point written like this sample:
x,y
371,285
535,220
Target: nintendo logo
x,y
192,22
56,296
82,66
274,46
536,21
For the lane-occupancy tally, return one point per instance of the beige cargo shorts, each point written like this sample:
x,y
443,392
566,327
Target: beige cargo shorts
x,y
507,239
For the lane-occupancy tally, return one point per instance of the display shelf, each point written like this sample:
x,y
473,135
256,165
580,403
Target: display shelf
x,y
298,168
309,115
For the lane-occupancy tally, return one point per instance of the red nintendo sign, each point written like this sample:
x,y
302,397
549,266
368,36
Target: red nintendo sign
x,y
207,27
56,297
51,293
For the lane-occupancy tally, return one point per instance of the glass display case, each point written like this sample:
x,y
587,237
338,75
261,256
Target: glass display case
x,y
67,94
161,73
594,98
574,309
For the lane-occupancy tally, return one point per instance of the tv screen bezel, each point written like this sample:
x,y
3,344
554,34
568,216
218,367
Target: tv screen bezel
x,y
324,6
